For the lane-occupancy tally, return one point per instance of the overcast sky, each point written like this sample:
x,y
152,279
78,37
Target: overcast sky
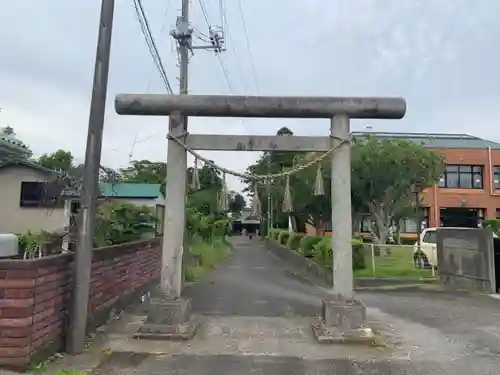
x,y
443,56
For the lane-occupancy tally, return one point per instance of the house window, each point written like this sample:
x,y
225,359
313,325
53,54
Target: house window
x,y
496,177
39,194
462,177
75,207
31,194
498,213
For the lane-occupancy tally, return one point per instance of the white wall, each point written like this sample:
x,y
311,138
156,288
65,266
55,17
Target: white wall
x,y
16,219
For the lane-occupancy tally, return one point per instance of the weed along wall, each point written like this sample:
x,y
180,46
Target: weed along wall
x,y
35,296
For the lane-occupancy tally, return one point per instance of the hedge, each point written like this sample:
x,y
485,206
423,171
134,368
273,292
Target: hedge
x,y
274,234
318,247
283,239
307,244
294,241
323,253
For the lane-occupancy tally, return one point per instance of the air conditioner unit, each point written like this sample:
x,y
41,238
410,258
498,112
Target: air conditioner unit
x,y
9,245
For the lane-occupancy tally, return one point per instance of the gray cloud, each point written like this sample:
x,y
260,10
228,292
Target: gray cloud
x,y
441,56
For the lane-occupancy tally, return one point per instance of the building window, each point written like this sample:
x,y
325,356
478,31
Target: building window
x,y
496,177
39,194
462,177
409,225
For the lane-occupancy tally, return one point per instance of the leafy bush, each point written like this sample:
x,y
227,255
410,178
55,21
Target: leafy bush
x,y
33,244
307,244
323,253
294,241
203,256
494,224
284,235
274,234
121,222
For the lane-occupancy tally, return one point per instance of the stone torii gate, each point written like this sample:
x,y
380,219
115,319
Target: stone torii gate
x,y
170,316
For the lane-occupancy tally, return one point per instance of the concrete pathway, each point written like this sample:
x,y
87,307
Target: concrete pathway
x,y
256,318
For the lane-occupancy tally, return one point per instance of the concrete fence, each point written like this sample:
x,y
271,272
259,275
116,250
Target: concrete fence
x,y
300,264
35,296
394,267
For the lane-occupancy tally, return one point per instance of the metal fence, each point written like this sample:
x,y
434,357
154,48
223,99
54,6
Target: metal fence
x,y
398,261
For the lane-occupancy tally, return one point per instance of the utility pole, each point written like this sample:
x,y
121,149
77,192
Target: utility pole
x,y
268,187
83,254
175,215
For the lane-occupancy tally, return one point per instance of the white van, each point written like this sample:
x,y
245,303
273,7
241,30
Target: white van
x,y
427,256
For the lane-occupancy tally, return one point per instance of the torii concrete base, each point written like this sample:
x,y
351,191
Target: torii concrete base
x,y
343,321
169,320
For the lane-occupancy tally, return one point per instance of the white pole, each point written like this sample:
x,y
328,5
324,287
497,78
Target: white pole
x,y
343,282
372,247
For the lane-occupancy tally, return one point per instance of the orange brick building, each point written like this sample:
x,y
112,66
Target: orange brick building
x,y
469,190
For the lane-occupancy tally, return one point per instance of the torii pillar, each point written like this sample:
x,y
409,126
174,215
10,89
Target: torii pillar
x,y
170,316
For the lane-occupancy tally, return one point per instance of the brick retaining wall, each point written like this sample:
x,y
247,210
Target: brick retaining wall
x,y
35,296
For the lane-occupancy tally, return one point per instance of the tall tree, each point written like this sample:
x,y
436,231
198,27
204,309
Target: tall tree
x,y
144,171
236,202
384,172
60,160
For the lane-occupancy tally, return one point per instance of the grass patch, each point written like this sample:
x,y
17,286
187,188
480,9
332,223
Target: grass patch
x,y
398,263
204,256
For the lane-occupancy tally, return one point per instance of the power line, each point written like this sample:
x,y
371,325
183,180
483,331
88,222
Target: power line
x,y
247,39
224,69
136,135
150,42
226,74
236,55
204,11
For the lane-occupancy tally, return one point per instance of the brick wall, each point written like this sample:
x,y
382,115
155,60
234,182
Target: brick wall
x,y
35,296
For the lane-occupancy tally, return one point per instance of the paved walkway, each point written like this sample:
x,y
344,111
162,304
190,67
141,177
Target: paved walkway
x,y
253,282
256,319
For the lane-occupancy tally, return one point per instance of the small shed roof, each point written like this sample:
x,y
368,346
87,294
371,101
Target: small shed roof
x,y
124,190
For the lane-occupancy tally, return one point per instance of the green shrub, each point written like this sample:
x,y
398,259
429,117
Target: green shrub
x,y
307,244
493,224
294,241
323,253
284,235
358,255
273,233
